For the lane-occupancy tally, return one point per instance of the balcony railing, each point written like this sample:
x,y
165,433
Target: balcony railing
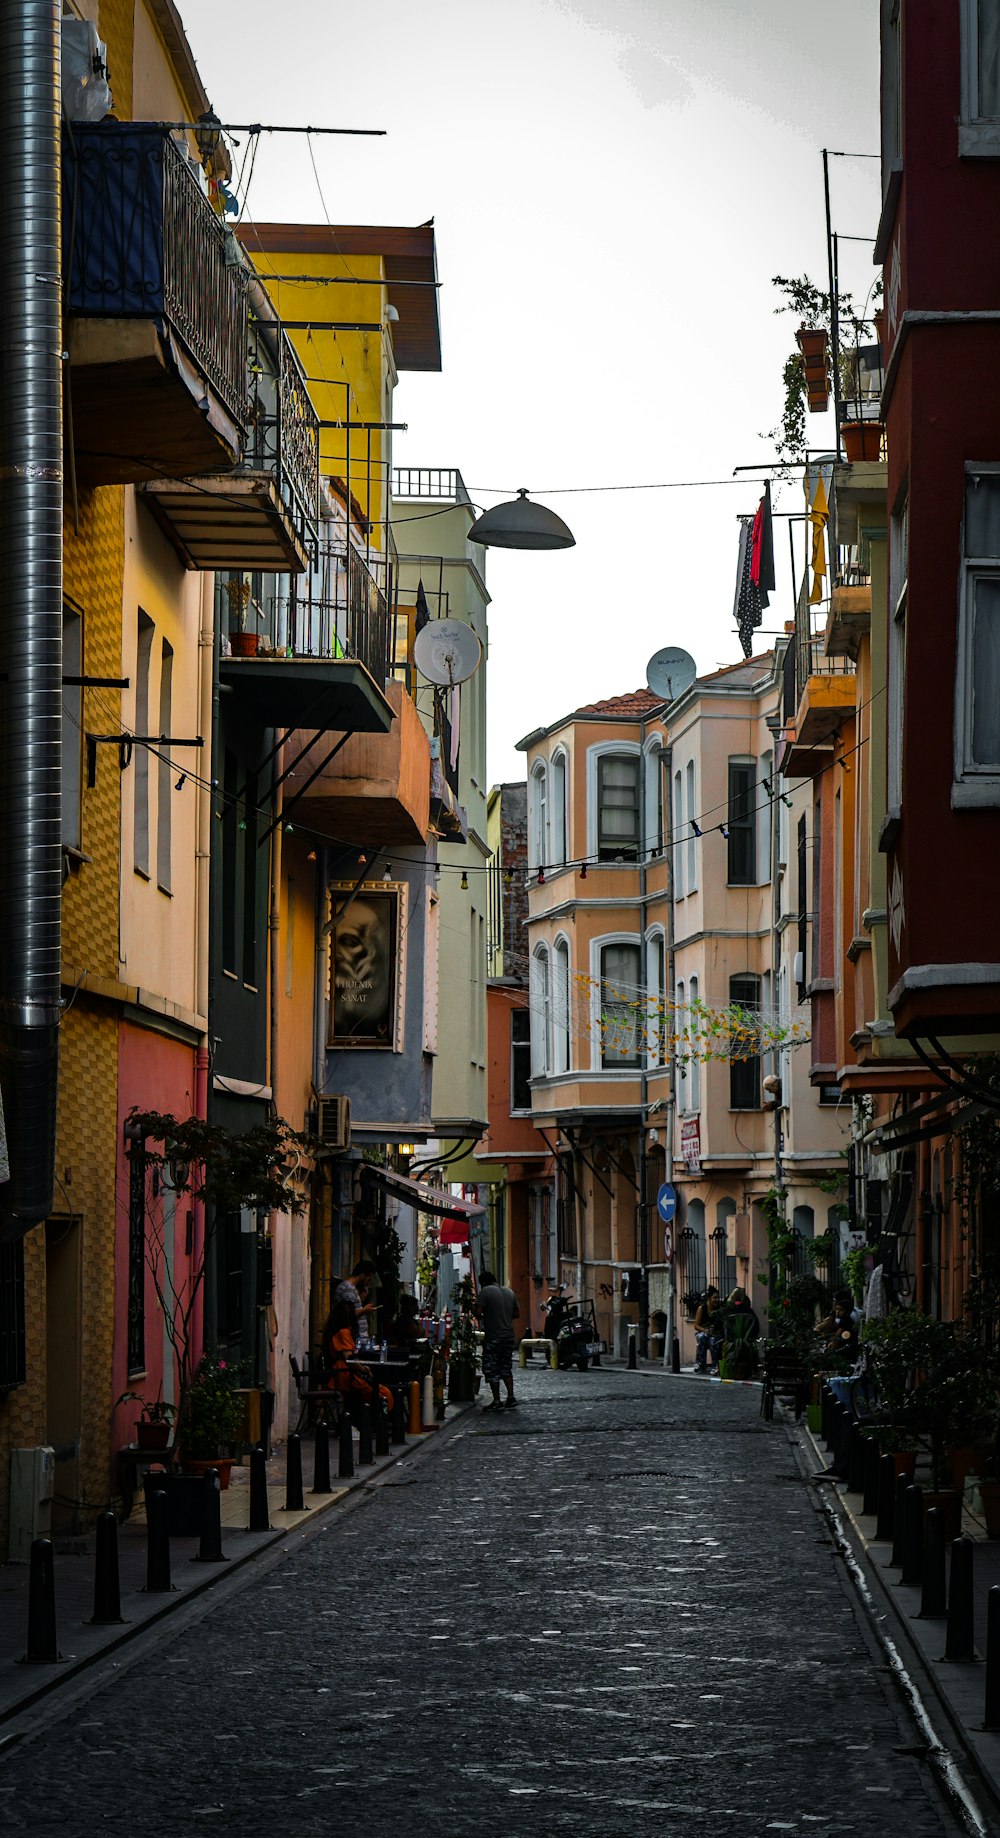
x,y
352,619
141,241
283,437
429,482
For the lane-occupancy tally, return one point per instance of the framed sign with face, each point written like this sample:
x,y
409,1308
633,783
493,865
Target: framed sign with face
x,y
365,976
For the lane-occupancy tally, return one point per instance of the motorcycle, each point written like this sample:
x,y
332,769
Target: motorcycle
x,y
573,1327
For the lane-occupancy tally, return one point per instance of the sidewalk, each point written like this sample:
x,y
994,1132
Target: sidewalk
x,y
80,1643
960,1688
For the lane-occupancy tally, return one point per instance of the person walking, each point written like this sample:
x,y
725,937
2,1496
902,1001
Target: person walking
x,y
497,1309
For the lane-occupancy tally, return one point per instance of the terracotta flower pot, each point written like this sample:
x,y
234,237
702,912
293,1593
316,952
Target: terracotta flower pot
x,y
151,1435
244,644
812,344
862,440
904,1461
989,1493
224,1464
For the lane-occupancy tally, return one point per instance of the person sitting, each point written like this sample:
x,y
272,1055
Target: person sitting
x,y
355,1289
340,1344
707,1323
405,1330
838,1331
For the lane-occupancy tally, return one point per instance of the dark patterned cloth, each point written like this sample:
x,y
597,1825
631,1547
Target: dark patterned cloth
x,y
747,610
498,1358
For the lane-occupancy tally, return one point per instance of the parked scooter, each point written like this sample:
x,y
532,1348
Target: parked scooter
x,y
573,1327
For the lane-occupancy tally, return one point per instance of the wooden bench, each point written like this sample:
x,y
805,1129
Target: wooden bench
x,y
783,1375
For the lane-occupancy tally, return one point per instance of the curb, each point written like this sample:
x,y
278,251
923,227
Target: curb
x,y
65,1672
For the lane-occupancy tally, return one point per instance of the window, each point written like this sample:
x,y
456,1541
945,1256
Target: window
x,y
136,1312
741,822
617,807
558,821
802,884
520,1061
692,840
248,831
72,727
680,1050
432,972
817,886
977,675
560,1006
838,893
744,1072
765,816
164,782
230,821
654,799
538,817
898,571
679,847
140,762
656,1003
979,126
694,1063
620,973
541,1009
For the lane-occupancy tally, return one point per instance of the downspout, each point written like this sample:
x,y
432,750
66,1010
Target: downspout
x,y
207,700
671,1342
643,1234
31,513
268,1318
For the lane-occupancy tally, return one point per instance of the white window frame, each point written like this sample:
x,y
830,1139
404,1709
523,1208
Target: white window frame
x,y
601,750
652,795
559,1004
680,1027
978,135
540,1004
973,784
597,948
679,848
558,808
538,838
690,787
765,818
896,700
694,1063
656,997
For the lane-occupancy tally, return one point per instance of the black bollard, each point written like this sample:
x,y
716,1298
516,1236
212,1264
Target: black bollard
x,y
631,1352
381,1429
903,1482
933,1593
259,1521
675,1355
43,1647
157,1546
855,1457
913,1538
107,1593
294,1501
399,1417
825,1397
365,1453
840,1425
346,1468
321,1457
885,1504
959,1645
210,1542
991,1712
872,1458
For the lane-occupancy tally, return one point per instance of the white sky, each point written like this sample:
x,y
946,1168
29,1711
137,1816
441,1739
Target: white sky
x,y
613,186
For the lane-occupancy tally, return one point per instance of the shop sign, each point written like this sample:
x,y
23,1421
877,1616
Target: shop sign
x,y
691,1144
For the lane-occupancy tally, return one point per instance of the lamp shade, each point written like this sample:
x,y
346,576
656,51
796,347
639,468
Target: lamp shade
x,y
521,524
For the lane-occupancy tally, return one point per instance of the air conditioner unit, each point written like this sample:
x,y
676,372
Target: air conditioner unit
x,y
333,1123
799,968
32,1485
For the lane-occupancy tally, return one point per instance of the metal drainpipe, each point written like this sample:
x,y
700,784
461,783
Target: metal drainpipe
x,y
207,697
643,1246
31,514
671,1343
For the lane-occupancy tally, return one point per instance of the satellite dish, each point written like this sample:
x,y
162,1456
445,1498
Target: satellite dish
x,y
447,652
670,672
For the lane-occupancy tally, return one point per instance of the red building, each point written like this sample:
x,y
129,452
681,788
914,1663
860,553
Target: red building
x,y
941,402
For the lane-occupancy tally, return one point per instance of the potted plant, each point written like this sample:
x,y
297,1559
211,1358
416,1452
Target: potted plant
x,y
213,1417
806,373
242,643
462,1360
152,1426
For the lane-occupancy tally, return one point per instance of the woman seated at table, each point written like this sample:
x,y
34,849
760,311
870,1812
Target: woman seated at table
x,y
340,1343
405,1330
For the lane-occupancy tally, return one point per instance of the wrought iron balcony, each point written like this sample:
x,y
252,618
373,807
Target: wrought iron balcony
x,y
157,310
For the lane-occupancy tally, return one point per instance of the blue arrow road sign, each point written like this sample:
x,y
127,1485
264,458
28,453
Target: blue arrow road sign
x,y
666,1203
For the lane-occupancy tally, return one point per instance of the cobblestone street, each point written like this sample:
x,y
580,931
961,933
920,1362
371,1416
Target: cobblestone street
x,y
615,1611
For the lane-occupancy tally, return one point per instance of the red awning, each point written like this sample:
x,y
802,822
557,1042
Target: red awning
x,y
427,1199
454,1229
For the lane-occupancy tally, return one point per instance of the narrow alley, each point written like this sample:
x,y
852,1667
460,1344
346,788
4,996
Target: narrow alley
x,y
542,1625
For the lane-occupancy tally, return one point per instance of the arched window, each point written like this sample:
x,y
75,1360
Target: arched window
x,y
683,1069
653,789
619,989
691,1242
538,816
694,1061
560,1006
692,840
804,1222
656,1001
724,1265
558,815
541,1013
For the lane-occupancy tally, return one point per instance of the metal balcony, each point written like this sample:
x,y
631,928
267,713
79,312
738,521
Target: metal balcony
x,y
157,312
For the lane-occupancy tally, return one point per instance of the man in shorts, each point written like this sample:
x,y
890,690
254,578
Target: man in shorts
x,y
497,1310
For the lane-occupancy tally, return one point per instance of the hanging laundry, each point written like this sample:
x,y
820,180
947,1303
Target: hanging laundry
x,y
423,615
762,549
819,516
747,610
